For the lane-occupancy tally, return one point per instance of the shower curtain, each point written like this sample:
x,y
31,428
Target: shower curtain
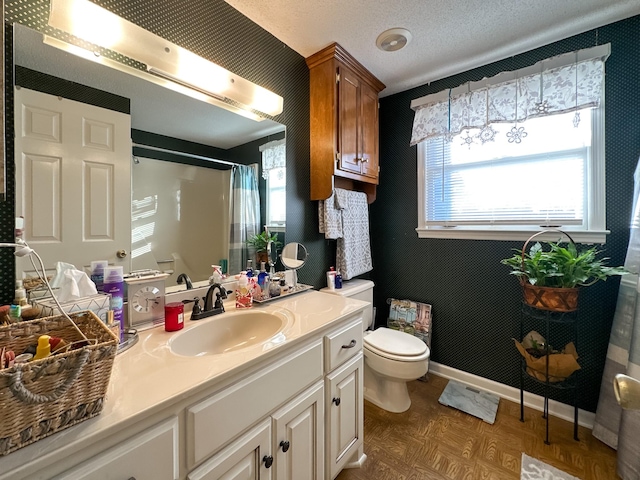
x,y
616,427
245,215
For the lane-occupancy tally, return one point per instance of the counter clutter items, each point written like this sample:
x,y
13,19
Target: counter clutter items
x,y
177,416
52,392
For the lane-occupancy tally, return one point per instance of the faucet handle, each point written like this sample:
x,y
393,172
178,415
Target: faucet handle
x,y
219,296
196,306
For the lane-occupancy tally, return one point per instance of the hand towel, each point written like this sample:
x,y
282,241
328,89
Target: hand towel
x,y
330,218
353,250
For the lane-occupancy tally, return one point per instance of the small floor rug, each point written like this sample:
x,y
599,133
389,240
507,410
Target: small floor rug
x,y
470,400
534,469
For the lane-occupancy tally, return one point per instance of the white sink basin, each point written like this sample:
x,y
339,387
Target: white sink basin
x,y
229,332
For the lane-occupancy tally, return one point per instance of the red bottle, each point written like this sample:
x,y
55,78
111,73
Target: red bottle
x,y
173,316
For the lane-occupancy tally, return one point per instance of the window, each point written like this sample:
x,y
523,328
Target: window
x,y
276,198
509,176
274,171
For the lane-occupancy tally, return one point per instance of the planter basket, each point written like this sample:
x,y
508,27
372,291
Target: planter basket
x,y
45,396
548,298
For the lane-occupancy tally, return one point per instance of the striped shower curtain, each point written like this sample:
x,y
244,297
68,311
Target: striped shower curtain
x,y
245,215
616,427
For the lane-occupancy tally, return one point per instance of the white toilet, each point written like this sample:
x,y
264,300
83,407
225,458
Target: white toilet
x,y
391,358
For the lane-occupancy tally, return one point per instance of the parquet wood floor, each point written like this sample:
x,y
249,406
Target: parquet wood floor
x,y
434,442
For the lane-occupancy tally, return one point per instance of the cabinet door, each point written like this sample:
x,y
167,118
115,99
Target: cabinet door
x,y
344,407
299,437
150,455
248,458
369,131
348,121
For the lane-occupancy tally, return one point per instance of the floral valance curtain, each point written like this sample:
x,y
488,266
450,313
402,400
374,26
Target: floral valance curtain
x,y
273,156
558,90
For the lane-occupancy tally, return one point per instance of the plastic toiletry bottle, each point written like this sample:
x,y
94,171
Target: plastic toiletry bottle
x,y
244,299
249,268
331,279
20,294
44,348
338,280
97,273
216,277
263,275
114,285
274,287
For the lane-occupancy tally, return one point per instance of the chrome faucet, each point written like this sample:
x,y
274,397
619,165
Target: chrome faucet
x,y
184,277
210,307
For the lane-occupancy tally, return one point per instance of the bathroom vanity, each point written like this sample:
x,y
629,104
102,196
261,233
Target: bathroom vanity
x,y
286,407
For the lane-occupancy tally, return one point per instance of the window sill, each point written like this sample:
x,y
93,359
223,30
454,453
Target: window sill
x,y
579,236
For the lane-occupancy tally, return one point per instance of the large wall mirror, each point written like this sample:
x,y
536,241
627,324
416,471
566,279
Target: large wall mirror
x,y
179,206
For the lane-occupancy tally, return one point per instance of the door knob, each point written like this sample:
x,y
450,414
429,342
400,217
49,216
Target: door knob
x,y
121,253
336,401
285,445
268,461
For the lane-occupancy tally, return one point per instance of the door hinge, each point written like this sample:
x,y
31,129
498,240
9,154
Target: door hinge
x,y
338,156
337,78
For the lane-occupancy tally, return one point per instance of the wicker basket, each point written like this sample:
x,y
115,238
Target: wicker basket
x,y
45,396
548,298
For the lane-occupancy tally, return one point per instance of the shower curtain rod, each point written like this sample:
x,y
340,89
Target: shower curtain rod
x,y
185,154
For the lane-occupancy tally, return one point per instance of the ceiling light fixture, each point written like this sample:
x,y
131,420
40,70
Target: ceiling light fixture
x,y
393,39
101,27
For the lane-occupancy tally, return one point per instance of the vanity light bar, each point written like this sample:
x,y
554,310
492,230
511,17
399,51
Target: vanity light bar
x,y
101,27
170,84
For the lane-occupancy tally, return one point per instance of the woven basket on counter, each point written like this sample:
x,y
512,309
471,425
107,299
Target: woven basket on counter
x,y
45,396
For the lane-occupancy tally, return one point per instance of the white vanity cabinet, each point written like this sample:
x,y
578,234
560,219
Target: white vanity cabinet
x,y
150,454
344,397
299,437
269,415
247,458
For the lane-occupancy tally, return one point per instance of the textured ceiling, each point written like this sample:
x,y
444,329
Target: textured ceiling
x,y
449,36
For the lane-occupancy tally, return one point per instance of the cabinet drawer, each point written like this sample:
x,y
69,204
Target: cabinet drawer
x,y
152,453
342,344
217,419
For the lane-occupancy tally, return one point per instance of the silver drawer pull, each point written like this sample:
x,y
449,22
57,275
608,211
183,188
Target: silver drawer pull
x,y
352,344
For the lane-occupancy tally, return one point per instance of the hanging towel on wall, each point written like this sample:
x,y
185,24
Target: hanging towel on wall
x,y
345,216
353,251
330,218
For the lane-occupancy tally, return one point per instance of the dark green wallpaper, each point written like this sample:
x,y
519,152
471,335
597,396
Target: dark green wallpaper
x,y
475,300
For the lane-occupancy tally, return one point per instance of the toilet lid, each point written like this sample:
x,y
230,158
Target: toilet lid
x,y
395,342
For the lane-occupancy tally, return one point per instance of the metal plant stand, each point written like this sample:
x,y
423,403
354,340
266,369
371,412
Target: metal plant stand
x,y
568,321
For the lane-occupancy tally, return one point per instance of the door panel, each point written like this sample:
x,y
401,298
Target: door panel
x,y
300,423
369,117
73,180
348,122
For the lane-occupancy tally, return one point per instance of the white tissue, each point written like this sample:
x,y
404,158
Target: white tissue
x,y
71,284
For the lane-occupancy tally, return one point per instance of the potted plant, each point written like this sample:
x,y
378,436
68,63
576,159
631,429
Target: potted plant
x,y
551,275
260,242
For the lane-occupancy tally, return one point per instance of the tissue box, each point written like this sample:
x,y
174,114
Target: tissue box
x,y
98,304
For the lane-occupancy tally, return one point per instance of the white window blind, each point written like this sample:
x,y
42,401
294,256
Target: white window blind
x,y
507,156
540,181
274,160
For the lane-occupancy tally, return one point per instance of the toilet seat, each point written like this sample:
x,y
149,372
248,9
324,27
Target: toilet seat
x,y
396,345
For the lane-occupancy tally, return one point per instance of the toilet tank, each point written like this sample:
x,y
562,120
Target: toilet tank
x,y
360,290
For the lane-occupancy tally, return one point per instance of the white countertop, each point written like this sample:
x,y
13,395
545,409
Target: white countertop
x,y
149,377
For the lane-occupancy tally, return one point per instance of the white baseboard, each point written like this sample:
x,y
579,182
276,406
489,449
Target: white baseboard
x,y
557,409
